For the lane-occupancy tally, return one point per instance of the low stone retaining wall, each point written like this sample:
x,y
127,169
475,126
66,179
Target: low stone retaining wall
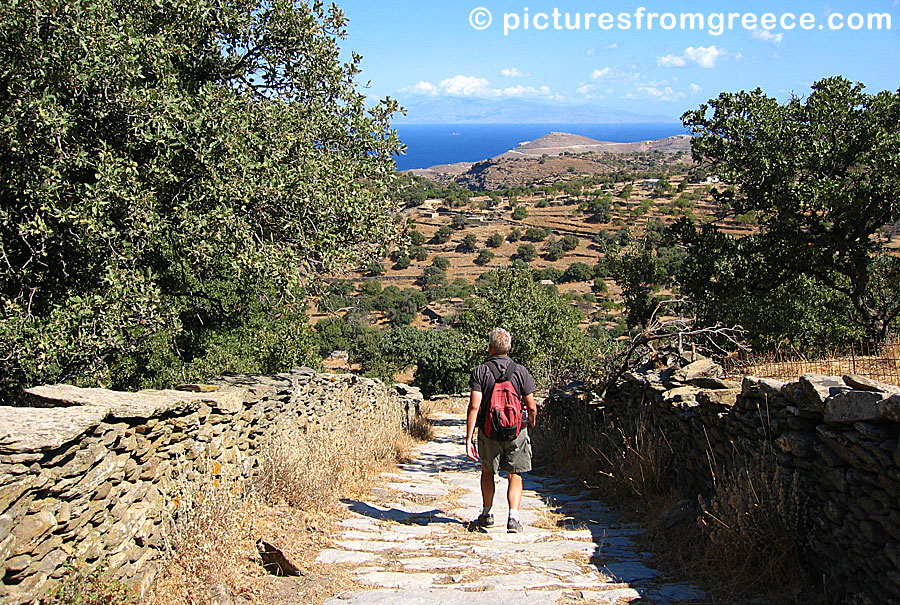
x,y
838,435
92,476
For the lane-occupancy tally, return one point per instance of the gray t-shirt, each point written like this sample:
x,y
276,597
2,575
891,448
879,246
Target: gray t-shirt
x,y
482,380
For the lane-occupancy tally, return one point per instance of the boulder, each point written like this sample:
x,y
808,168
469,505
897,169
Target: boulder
x,y
702,368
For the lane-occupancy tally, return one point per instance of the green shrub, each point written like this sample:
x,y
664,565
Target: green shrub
x,y
495,241
441,262
569,243
535,234
551,273
577,272
442,236
527,252
416,238
555,251
520,213
484,257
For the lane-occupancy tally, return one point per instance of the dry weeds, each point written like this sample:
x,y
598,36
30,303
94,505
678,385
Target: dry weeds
x,y
291,501
756,528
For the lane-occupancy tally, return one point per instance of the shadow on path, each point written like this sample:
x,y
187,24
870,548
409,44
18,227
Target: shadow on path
x,y
429,517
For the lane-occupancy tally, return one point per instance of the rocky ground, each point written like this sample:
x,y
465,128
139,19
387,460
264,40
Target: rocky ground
x,y
407,542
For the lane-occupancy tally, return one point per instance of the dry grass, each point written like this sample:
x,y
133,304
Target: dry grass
x,y
748,541
551,518
882,364
291,501
640,460
755,527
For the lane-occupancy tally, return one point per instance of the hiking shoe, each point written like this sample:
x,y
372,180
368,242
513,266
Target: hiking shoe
x,y
484,520
513,526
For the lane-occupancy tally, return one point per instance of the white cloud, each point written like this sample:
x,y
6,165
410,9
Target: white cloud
x,y
513,72
586,89
423,88
671,61
525,91
767,36
466,86
600,73
695,89
470,86
615,45
591,52
656,93
704,56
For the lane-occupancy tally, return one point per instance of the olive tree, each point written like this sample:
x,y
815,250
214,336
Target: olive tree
x,y
173,176
821,174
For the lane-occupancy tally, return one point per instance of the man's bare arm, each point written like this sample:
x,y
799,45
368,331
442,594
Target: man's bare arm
x,y
531,404
471,418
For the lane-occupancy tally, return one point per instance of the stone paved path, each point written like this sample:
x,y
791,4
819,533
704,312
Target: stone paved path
x,y
407,542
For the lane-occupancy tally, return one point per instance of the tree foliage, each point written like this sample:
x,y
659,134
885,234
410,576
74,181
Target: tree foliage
x,y
543,325
821,174
172,175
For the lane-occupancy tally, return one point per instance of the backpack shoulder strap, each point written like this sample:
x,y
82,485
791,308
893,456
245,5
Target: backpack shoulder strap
x,y
510,370
494,368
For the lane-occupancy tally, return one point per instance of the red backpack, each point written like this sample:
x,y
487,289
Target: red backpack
x,y
503,416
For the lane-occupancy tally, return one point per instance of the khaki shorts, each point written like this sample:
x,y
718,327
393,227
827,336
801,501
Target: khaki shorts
x,y
510,456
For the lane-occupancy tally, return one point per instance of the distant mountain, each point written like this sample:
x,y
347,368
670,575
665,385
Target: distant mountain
x,y
514,111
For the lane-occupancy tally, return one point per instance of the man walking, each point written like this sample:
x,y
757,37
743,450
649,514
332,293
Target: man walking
x,y
514,456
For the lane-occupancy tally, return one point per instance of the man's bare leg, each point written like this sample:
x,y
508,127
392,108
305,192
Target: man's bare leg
x,y
487,487
514,492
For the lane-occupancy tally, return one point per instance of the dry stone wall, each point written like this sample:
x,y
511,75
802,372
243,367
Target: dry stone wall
x,y
837,435
93,476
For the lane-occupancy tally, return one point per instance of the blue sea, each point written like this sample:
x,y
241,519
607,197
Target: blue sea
x,y
431,144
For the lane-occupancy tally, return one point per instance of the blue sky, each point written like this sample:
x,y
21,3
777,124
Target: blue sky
x,y
425,52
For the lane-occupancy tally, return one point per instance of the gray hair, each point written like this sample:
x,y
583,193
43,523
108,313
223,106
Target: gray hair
x,y
500,341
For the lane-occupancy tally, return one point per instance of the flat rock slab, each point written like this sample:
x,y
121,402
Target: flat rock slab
x,y
446,596
613,595
414,553
397,579
344,556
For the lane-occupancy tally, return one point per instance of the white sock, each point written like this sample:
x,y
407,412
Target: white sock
x,y
486,510
514,514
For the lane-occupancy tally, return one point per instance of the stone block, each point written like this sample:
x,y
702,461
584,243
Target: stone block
x,y
702,368
796,443
30,530
718,397
855,406
679,394
861,383
819,388
761,387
